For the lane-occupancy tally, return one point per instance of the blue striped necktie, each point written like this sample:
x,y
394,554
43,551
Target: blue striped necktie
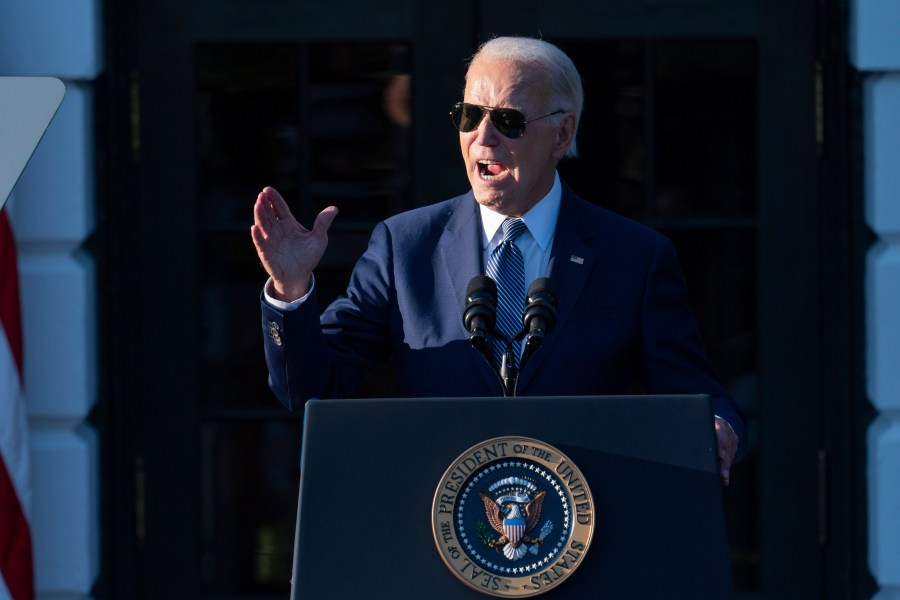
x,y
507,267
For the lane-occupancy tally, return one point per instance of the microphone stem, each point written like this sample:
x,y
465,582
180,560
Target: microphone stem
x,y
509,375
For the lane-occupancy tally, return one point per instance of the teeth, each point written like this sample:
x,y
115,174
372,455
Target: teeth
x,y
482,169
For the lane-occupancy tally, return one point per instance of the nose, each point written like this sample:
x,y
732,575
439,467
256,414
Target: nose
x,y
487,134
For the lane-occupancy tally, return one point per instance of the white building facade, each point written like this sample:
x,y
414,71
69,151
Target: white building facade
x,y
52,210
875,51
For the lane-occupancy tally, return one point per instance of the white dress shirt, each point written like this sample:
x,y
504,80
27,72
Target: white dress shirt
x,y
537,242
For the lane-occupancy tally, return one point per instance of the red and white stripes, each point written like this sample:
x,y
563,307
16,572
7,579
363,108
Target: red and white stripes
x,y
16,566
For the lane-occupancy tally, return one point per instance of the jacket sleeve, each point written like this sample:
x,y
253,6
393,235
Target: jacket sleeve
x,y
309,356
673,359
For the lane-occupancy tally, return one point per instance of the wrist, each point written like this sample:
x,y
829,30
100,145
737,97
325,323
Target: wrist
x,y
290,291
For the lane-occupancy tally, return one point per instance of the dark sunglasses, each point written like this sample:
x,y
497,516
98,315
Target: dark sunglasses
x,y
508,121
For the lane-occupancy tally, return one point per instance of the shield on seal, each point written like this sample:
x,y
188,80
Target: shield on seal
x,y
514,528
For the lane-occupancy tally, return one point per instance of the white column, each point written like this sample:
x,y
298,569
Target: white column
x,y
875,50
52,210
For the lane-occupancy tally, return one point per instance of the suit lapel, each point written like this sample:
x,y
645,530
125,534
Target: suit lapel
x,y
571,262
460,249
460,246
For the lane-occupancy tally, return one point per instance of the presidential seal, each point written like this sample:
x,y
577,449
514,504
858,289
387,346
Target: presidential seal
x,y
512,517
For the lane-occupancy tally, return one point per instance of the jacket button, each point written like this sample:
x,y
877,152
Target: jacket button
x,y
274,333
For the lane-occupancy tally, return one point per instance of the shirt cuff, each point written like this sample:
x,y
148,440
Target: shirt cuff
x,y
281,304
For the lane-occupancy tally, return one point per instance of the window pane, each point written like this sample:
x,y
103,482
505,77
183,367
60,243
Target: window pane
x,y
705,111
324,123
250,478
610,168
360,115
248,135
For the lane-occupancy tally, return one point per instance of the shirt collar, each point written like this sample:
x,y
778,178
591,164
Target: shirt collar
x,y
540,219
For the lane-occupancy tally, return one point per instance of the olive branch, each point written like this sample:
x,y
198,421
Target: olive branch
x,y
484,534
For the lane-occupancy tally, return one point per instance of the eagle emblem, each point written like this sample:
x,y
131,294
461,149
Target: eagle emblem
x,y
513,508
506,519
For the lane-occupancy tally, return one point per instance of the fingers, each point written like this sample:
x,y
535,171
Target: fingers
x,y
270,208
264,214
726,456
324,220
725,466
259,238
276,202
727,442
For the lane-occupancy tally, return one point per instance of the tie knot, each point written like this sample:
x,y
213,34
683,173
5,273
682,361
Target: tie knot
x,y
512,228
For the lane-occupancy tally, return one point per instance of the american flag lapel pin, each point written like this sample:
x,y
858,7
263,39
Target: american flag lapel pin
x,y
576,259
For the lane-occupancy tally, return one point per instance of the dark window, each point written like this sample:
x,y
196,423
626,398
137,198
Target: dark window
x,y
324,123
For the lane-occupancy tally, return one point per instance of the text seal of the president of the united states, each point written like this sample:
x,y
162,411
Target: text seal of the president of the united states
x,y
513,517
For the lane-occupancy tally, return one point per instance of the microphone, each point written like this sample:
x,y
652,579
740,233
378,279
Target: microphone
x,y
481,313
539,316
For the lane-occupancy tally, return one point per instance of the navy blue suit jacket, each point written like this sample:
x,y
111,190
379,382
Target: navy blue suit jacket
x,y
623,319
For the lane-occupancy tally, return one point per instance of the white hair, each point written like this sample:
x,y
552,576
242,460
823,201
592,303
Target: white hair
x,y
566,90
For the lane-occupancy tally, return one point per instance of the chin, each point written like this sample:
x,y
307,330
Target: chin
x,y
489,200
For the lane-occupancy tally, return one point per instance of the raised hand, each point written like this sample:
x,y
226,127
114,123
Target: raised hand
x,y
288,251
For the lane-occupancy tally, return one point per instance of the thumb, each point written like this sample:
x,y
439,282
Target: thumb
x,y
323,221
726,458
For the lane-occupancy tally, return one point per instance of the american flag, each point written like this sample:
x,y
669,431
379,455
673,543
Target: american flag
x,y
16,566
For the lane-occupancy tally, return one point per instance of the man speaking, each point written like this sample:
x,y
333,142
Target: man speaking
x,y
621,316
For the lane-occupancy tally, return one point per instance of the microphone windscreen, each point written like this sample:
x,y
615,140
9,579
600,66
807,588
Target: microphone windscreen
x,y
481,305
540,308
543,285
482,284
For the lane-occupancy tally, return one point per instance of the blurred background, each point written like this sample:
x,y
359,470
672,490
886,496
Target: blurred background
x,y
162,465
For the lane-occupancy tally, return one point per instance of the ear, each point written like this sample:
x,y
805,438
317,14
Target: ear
x,y
565,135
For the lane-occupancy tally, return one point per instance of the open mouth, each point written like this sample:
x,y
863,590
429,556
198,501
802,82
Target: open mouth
x,y
491,169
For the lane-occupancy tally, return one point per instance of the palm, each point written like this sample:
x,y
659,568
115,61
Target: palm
x,y
288,251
